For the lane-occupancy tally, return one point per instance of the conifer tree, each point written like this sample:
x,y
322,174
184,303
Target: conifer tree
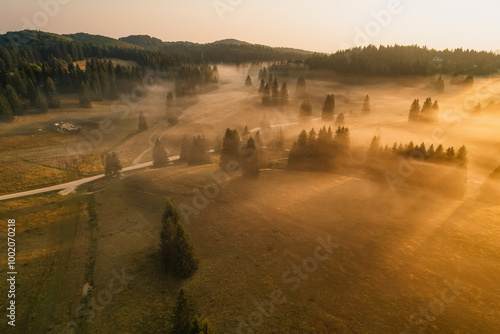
x,y
439,85
306,108
51,93
160,157
229,152
143,125
262,86
5,110
414,111
284,94
340,119
462,157
15,102
199,152
41,101
301,85
185,149
112,166
328,108
183,314
251,164
248,81
366,106
85,96
266,98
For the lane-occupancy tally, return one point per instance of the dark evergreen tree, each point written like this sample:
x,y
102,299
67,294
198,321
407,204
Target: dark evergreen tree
x,y
202,326
170,99
301,85
184,263
439,85
462,157
15,102
414,111
143,125
284,94
230,144
266,98
251,163
5,110
262,86
112,166
41,102
248,81
184,314
340,119
328,108
51,93
306,108
366,106
160,157
258,140
85,96
199,152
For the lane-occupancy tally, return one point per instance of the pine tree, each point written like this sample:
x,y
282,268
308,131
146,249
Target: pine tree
x,y
199,152
462,157
170,219
275,93
184,263
85,96
366,106
160,157
340,119
262,86
112,166
202,326
414,111
266,98
183,314
284,94
248,81
14,101
301,85
41,102
306,108
328,108
5,110
439,85
51,93
373,149
143,125
229,152
251,165
170,99
258,140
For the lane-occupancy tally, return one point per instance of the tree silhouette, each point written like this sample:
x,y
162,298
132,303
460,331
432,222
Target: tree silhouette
x,y
143,126
306,108
284,93
183,314
366,106
5,110
51,92
262,86
160,157
439,85
248,81
340,119
414,111
251,164
112,166
328,108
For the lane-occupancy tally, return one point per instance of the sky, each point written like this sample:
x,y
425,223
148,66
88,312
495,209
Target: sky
x,y
315,25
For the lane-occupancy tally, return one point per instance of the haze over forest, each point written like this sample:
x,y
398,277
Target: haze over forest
x,y
249,167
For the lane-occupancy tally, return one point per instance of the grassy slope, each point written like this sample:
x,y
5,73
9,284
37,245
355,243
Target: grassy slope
x,y
394,254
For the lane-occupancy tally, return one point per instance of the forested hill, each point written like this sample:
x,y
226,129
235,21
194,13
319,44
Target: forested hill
x,y
406,60
228,50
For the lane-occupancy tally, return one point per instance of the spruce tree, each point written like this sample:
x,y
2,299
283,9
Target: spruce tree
x,y
183,314
229,152
202,326
51,93
5,110
462,157
112,165
262,86
160,157
143,125
199,152
439,85
340,119
85,96
301,85
251,164
248,81
41,101
306,108
15,102
366,106
184,263
185,149
284,94
414,111
266,98
328,108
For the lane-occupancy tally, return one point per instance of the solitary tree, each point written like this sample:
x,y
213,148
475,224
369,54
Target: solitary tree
x,y
306,108
328,108
439,85
340,119
248,81
112,166
366,106
414,111
160,157
143,126
251,164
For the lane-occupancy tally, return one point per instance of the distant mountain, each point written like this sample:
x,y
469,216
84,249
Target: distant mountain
x,y
100,40
227,50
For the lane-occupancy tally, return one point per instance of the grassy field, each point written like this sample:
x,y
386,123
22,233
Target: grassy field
x,y
395,256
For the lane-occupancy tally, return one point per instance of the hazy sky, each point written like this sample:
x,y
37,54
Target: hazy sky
x,y
317,25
